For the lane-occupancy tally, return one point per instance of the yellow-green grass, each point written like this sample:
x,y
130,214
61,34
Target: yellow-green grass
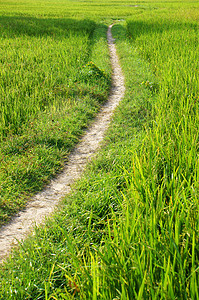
x,y
172,151
100,10
130,229
47,96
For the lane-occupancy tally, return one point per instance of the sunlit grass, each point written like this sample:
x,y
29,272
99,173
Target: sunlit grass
x,y
47,97
103,10
130,229
40,61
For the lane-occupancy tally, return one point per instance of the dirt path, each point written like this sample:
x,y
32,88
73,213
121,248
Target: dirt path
x,y
44,202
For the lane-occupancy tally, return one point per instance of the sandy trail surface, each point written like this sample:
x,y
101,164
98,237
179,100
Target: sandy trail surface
x,y
43,203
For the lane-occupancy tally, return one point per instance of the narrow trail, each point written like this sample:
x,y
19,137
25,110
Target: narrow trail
x,y
43,203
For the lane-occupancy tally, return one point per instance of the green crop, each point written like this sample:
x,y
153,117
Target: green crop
x,y
130,228
46,99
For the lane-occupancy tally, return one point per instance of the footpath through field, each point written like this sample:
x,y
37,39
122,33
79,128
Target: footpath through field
x,y
44,202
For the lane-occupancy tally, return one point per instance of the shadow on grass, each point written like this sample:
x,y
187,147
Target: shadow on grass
x,y
30,26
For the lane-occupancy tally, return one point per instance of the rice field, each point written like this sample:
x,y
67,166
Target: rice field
x,y
47,97
39,61
130,229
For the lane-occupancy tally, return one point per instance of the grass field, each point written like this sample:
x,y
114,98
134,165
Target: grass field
x,y
47,98
130,229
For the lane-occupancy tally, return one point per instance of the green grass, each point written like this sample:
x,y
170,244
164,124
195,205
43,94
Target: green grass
x,y
103,11
74,230
47,99
130,228
172,150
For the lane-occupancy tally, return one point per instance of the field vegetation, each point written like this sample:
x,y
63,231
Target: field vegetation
x,y
50,88
130,228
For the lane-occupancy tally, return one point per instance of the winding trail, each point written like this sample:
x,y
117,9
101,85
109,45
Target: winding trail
x,y
43,203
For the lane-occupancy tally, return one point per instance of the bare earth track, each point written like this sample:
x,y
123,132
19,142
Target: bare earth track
x,y
44,202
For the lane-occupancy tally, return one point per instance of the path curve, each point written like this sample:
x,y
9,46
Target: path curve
x,y
43,203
